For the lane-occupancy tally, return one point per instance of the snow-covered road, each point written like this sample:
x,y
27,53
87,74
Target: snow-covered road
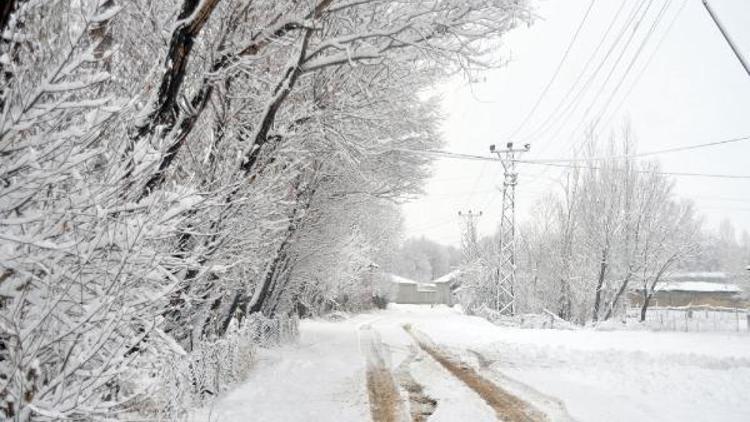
x,y
583,375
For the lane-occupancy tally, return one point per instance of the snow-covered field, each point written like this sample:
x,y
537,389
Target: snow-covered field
x,y
585,375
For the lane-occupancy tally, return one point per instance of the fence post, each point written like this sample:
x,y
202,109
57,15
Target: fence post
x,y
737,317
714,318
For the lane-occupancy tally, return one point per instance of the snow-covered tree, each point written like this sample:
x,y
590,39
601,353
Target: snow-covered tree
x,y
615,226
172,172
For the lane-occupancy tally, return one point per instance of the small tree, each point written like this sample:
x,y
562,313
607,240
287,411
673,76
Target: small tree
x,y
672,238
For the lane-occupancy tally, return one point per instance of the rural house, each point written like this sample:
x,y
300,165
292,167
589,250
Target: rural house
x,y
696,288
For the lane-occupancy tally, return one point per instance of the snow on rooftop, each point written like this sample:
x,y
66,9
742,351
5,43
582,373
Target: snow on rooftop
x,y
447,278
697,286
704,275
401,280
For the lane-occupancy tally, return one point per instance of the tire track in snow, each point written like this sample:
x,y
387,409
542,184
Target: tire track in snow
x,y
507,407
385,401
421,406
554,408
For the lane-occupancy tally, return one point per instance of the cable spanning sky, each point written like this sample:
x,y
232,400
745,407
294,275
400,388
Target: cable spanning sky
x,y
661,65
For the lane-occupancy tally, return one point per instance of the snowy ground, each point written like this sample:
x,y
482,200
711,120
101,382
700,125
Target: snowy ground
x,y
320,378
585,375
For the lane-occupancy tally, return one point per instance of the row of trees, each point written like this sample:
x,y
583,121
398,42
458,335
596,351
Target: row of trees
x,y
725,250
423,260
168,168
614,225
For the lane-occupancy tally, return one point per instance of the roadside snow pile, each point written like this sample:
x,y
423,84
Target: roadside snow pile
x,y
624,324
534,321
546,320
337,316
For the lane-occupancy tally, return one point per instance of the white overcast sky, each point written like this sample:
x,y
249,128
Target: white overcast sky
x,y
693,91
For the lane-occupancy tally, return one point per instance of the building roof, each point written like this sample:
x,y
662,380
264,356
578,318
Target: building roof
x,y
697,286
699,276
447,278
400,280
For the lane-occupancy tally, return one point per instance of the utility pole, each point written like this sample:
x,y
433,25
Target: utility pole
x,y
505,277
470,240
724,32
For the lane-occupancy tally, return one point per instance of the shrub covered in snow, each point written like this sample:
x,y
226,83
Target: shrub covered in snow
x,y
192,379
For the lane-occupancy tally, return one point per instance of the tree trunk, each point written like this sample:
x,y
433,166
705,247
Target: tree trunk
x,y
166,111
649,292
565,302
646,302
282,90
190,21
6,10
180,136
600,284
619,293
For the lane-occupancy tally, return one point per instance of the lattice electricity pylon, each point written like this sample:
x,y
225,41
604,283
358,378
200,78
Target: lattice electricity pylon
x,y
505,278
469,237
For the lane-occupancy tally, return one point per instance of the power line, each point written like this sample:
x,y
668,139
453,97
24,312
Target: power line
x,y
717,198
725,209
611,73
476,182
648,62
448,154
456,155
537,193
555,74
651,30
666,173
644,154
638,52
564,165
441,223
561,121
460,194
543,126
